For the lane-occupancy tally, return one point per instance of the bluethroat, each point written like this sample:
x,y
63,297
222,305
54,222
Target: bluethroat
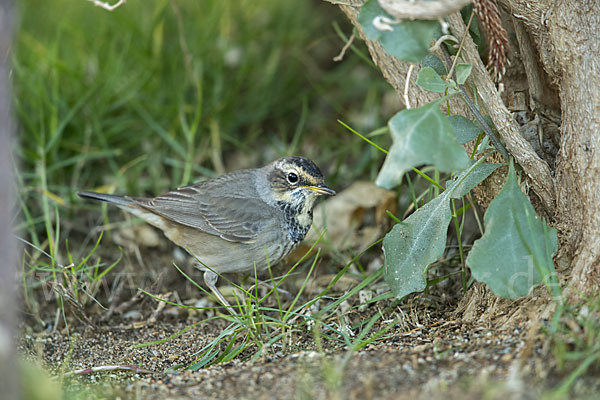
x,y
240,221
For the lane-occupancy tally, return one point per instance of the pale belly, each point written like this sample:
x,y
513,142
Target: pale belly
x,y
224,256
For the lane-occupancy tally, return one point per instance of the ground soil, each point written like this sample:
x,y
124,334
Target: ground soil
x,y
428,351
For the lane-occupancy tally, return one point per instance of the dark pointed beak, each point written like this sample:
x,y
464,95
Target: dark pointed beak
x,y
322,189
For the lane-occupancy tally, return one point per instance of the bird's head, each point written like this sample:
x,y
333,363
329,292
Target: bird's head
x,y
296,181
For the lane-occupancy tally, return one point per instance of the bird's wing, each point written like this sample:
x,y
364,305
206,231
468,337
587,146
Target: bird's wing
x,y
235,217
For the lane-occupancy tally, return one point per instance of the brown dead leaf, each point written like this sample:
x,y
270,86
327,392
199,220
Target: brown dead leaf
x,y
354,219
139,235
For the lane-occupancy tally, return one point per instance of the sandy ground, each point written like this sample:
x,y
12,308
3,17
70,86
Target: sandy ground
x,y
428,351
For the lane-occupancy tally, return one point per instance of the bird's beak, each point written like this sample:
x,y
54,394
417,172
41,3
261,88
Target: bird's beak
x,y
321,189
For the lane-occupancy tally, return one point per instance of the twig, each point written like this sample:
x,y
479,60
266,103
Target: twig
x,y
106,5
159,307
472,107
460,46
536,169
133,368
442,39
488,130
475,213
406,84
340,56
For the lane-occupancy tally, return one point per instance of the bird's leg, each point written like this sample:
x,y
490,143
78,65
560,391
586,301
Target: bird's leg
x,y
210,278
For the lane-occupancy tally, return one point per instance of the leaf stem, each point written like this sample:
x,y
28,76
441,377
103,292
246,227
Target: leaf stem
x,y
360,135
465,96
488,130
460,247
428,179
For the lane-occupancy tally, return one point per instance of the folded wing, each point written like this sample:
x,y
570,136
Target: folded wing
x,y
235,217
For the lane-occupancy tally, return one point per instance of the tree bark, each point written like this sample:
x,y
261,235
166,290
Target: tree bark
x,y
574,31
566,35
535,168
395,71
559,42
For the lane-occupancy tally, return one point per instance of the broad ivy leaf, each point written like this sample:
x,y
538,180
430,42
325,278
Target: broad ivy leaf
x,y
434,62
408,40
421,136
515,240
469,178
462,72
413,244
429,80
420,239
465,130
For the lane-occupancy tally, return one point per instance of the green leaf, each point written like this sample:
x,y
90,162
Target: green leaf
x,y
421,136
429,80
414,244
470,178
420,239
464,129
462,72
516,246
434,62
480,42
408,40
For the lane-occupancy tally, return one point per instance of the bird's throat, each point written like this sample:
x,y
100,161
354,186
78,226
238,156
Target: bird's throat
x,y
297,217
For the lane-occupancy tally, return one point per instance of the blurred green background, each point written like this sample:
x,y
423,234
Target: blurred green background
x,y
161,93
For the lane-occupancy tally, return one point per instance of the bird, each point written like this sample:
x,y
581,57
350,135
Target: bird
x,y
243,220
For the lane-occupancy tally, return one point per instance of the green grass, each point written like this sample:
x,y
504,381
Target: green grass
x,y
154,96
140,100
574,335
159,94
261,328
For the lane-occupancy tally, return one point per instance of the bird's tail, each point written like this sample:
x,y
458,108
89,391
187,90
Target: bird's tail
x,y
120,201
128,204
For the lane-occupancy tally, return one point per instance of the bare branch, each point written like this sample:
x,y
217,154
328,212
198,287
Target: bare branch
x,y
107,6
340,56
407,82
536,168
474,110
104,368
441,40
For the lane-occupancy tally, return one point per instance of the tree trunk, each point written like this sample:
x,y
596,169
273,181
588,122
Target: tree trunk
x,y
8,373
574,30
556,56
566,38
394,70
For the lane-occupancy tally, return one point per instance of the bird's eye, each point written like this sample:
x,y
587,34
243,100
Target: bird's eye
x,y
292,177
